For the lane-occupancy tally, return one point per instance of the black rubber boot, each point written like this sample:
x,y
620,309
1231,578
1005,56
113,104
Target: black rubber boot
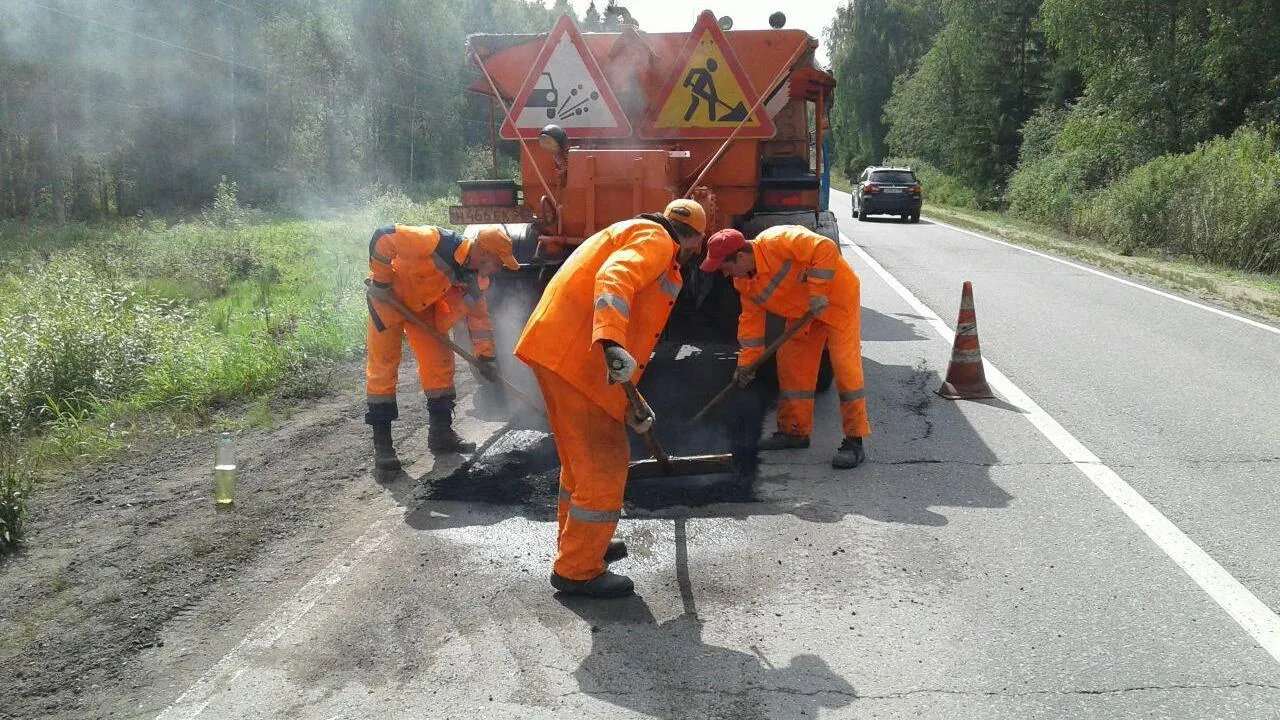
x,y
850,454
384,455
617,551
441,437
783,441
605,585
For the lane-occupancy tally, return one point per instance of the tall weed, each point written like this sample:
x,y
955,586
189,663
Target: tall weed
x,y
1219,203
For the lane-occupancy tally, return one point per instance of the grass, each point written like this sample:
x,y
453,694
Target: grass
x,y
1247,292
110,330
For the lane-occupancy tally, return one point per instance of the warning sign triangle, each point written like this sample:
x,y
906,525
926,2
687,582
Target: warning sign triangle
x,y
565,87
708,94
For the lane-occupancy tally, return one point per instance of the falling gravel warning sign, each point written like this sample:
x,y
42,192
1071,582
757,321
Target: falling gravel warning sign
x,y
565,87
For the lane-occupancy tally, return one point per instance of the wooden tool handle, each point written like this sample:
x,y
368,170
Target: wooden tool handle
x,y
426,327
764,357
637,401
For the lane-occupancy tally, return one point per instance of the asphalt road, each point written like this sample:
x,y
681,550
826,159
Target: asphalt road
x,y
970,570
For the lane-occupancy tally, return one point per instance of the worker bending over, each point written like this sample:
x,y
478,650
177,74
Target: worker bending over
x,y
441,277
596,325
788,270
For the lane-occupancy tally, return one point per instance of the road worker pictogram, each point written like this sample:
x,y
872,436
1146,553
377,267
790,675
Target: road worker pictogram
x,y
708,94
566,87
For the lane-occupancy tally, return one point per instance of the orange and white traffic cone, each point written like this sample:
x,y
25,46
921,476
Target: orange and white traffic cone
x,y
965,377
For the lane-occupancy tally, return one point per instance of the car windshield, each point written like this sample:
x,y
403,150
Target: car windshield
x,y
893,177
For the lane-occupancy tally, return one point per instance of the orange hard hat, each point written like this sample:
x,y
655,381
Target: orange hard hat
x,y
688,212
494,239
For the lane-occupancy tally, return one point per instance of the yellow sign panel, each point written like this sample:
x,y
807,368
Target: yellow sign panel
x,y
708,95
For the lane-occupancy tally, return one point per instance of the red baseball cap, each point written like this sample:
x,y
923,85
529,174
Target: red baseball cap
x,y
720,247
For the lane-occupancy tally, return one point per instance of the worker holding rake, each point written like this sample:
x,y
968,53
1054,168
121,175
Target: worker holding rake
x,y
790,271
594,328
440,277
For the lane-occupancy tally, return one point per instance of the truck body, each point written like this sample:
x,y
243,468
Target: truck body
x,y
744,180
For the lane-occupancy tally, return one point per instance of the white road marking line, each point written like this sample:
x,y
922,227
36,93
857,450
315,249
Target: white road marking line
x,y
1109,276
1260,621
224,674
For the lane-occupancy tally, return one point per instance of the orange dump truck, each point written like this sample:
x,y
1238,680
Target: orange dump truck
x,y
618,123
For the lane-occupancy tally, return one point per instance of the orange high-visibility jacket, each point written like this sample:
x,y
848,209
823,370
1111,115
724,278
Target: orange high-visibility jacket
x,y
792,264
619,285
423,266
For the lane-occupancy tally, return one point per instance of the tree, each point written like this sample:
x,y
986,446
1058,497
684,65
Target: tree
x,y
984,76
873,42
591,21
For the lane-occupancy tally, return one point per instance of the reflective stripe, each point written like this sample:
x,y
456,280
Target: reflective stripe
x,y
852,395
565,494
481,334
373,315
594,516
778,277
373,244
615,302
438,393
751,342
443,266
380,399
670,287
820,274
797,395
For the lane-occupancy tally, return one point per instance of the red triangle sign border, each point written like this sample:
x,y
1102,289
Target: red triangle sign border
x,y
566,25
707,23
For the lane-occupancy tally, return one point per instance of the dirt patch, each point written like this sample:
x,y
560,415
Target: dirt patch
x,y
117,551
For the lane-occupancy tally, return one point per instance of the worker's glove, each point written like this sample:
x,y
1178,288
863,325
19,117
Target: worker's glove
x,y
488,368
743,376
818,303
382,293
641,418
620,364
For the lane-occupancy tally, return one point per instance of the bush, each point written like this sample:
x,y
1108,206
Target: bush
x,y
1219,203
939,188
1066,158
15,487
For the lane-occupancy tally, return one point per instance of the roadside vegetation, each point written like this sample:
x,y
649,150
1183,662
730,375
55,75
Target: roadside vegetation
x,y
1124,127
151,322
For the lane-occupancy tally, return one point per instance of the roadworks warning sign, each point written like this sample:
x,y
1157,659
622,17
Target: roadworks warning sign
x,y
565,87
708,94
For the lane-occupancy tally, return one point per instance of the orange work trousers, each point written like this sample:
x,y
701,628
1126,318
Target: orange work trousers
x,y
594,455
435,360
798,362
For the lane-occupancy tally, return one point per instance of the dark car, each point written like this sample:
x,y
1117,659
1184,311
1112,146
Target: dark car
x,y
888,191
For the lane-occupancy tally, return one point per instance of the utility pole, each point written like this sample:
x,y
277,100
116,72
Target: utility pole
x,y
413,130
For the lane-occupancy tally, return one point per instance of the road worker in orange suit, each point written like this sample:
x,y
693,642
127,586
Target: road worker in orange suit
x,y
441,276
788,270
595,326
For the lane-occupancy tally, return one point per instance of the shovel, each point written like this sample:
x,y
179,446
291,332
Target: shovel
x,y
412,317
662,464
768,353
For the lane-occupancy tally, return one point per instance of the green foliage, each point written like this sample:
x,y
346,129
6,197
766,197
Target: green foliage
x,y
146,107
1219,203
939,188
961,109
179,318
15,488
1067,158
872,43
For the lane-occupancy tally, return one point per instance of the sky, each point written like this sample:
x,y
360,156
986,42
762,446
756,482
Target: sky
x,y
679,15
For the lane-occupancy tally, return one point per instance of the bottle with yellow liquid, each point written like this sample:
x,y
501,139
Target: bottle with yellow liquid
x,y
224,472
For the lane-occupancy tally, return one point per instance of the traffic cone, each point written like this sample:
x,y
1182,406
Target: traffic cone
x,y
965,378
